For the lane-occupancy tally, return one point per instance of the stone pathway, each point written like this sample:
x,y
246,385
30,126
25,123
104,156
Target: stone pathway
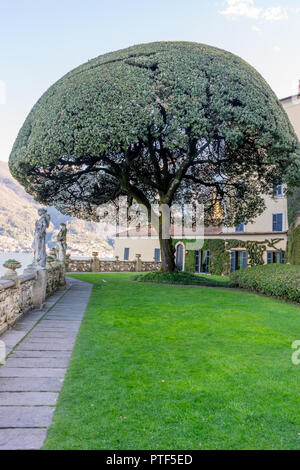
x,y
33,374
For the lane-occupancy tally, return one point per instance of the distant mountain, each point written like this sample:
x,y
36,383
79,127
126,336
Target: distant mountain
x,y
18,213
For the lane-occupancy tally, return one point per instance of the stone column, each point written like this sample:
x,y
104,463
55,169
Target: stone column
x,y
95,262
39,286
138,262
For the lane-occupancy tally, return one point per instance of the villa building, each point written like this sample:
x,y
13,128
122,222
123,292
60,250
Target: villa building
x,y
227,249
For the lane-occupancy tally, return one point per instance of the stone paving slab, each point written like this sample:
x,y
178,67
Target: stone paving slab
x,y
22,439
57,343
57,340
28,398
44,347
43,335
39,354
25,416
64,323
58,326
26,384
41,372
38,361
53,329
34,372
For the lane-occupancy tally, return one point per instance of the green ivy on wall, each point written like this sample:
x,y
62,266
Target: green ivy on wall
x,y
220,253
294,246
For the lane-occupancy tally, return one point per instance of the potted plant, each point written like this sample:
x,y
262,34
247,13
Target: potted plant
x,y
12,264
50,260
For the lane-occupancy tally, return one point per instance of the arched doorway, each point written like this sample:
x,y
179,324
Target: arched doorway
x,y
179,256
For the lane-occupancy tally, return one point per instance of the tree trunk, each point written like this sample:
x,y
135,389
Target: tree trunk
x,y
167,256
162,224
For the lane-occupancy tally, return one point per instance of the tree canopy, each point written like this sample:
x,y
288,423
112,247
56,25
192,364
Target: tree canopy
x,y
166,122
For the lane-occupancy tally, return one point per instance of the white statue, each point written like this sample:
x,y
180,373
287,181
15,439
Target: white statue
x,y
39,243
61,246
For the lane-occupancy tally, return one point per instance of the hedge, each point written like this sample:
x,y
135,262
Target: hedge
x,y
183,278
279,280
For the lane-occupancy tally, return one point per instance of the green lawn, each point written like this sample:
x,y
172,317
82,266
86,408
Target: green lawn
x,y
177,367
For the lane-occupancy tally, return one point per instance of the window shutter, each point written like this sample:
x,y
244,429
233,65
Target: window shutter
x,y
245,260
126,254
282,253
233,254
157,254
274,226
197,254
207,261
269,257
240,228
279,222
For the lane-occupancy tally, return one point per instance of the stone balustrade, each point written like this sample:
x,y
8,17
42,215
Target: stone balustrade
x,y
95,265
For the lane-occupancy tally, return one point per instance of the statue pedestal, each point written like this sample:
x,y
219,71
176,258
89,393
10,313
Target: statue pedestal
x,y
40,285
62,276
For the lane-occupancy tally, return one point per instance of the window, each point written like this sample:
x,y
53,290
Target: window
x,y
197,261
240,228
275,257
277,222
278,191
239,260
157,254
126,254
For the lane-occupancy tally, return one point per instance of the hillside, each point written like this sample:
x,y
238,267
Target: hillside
x,y
18,213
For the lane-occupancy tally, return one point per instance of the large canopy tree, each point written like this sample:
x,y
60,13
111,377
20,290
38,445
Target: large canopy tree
x,y
166,122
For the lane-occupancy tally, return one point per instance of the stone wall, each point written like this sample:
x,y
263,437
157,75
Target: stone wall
x,y
95,265
54,278
15,300
150,266
79,266
17,297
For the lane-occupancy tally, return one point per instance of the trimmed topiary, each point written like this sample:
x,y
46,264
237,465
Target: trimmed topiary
x,y
161,122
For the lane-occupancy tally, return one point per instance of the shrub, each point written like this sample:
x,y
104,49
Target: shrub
x,y
184,278
279,280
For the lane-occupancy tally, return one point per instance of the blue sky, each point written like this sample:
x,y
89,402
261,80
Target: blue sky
x,y
42,40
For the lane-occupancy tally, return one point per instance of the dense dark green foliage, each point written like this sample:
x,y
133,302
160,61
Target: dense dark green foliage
x,y
293,204
219,262
184,278
157,119
161,123
294,246
279,280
